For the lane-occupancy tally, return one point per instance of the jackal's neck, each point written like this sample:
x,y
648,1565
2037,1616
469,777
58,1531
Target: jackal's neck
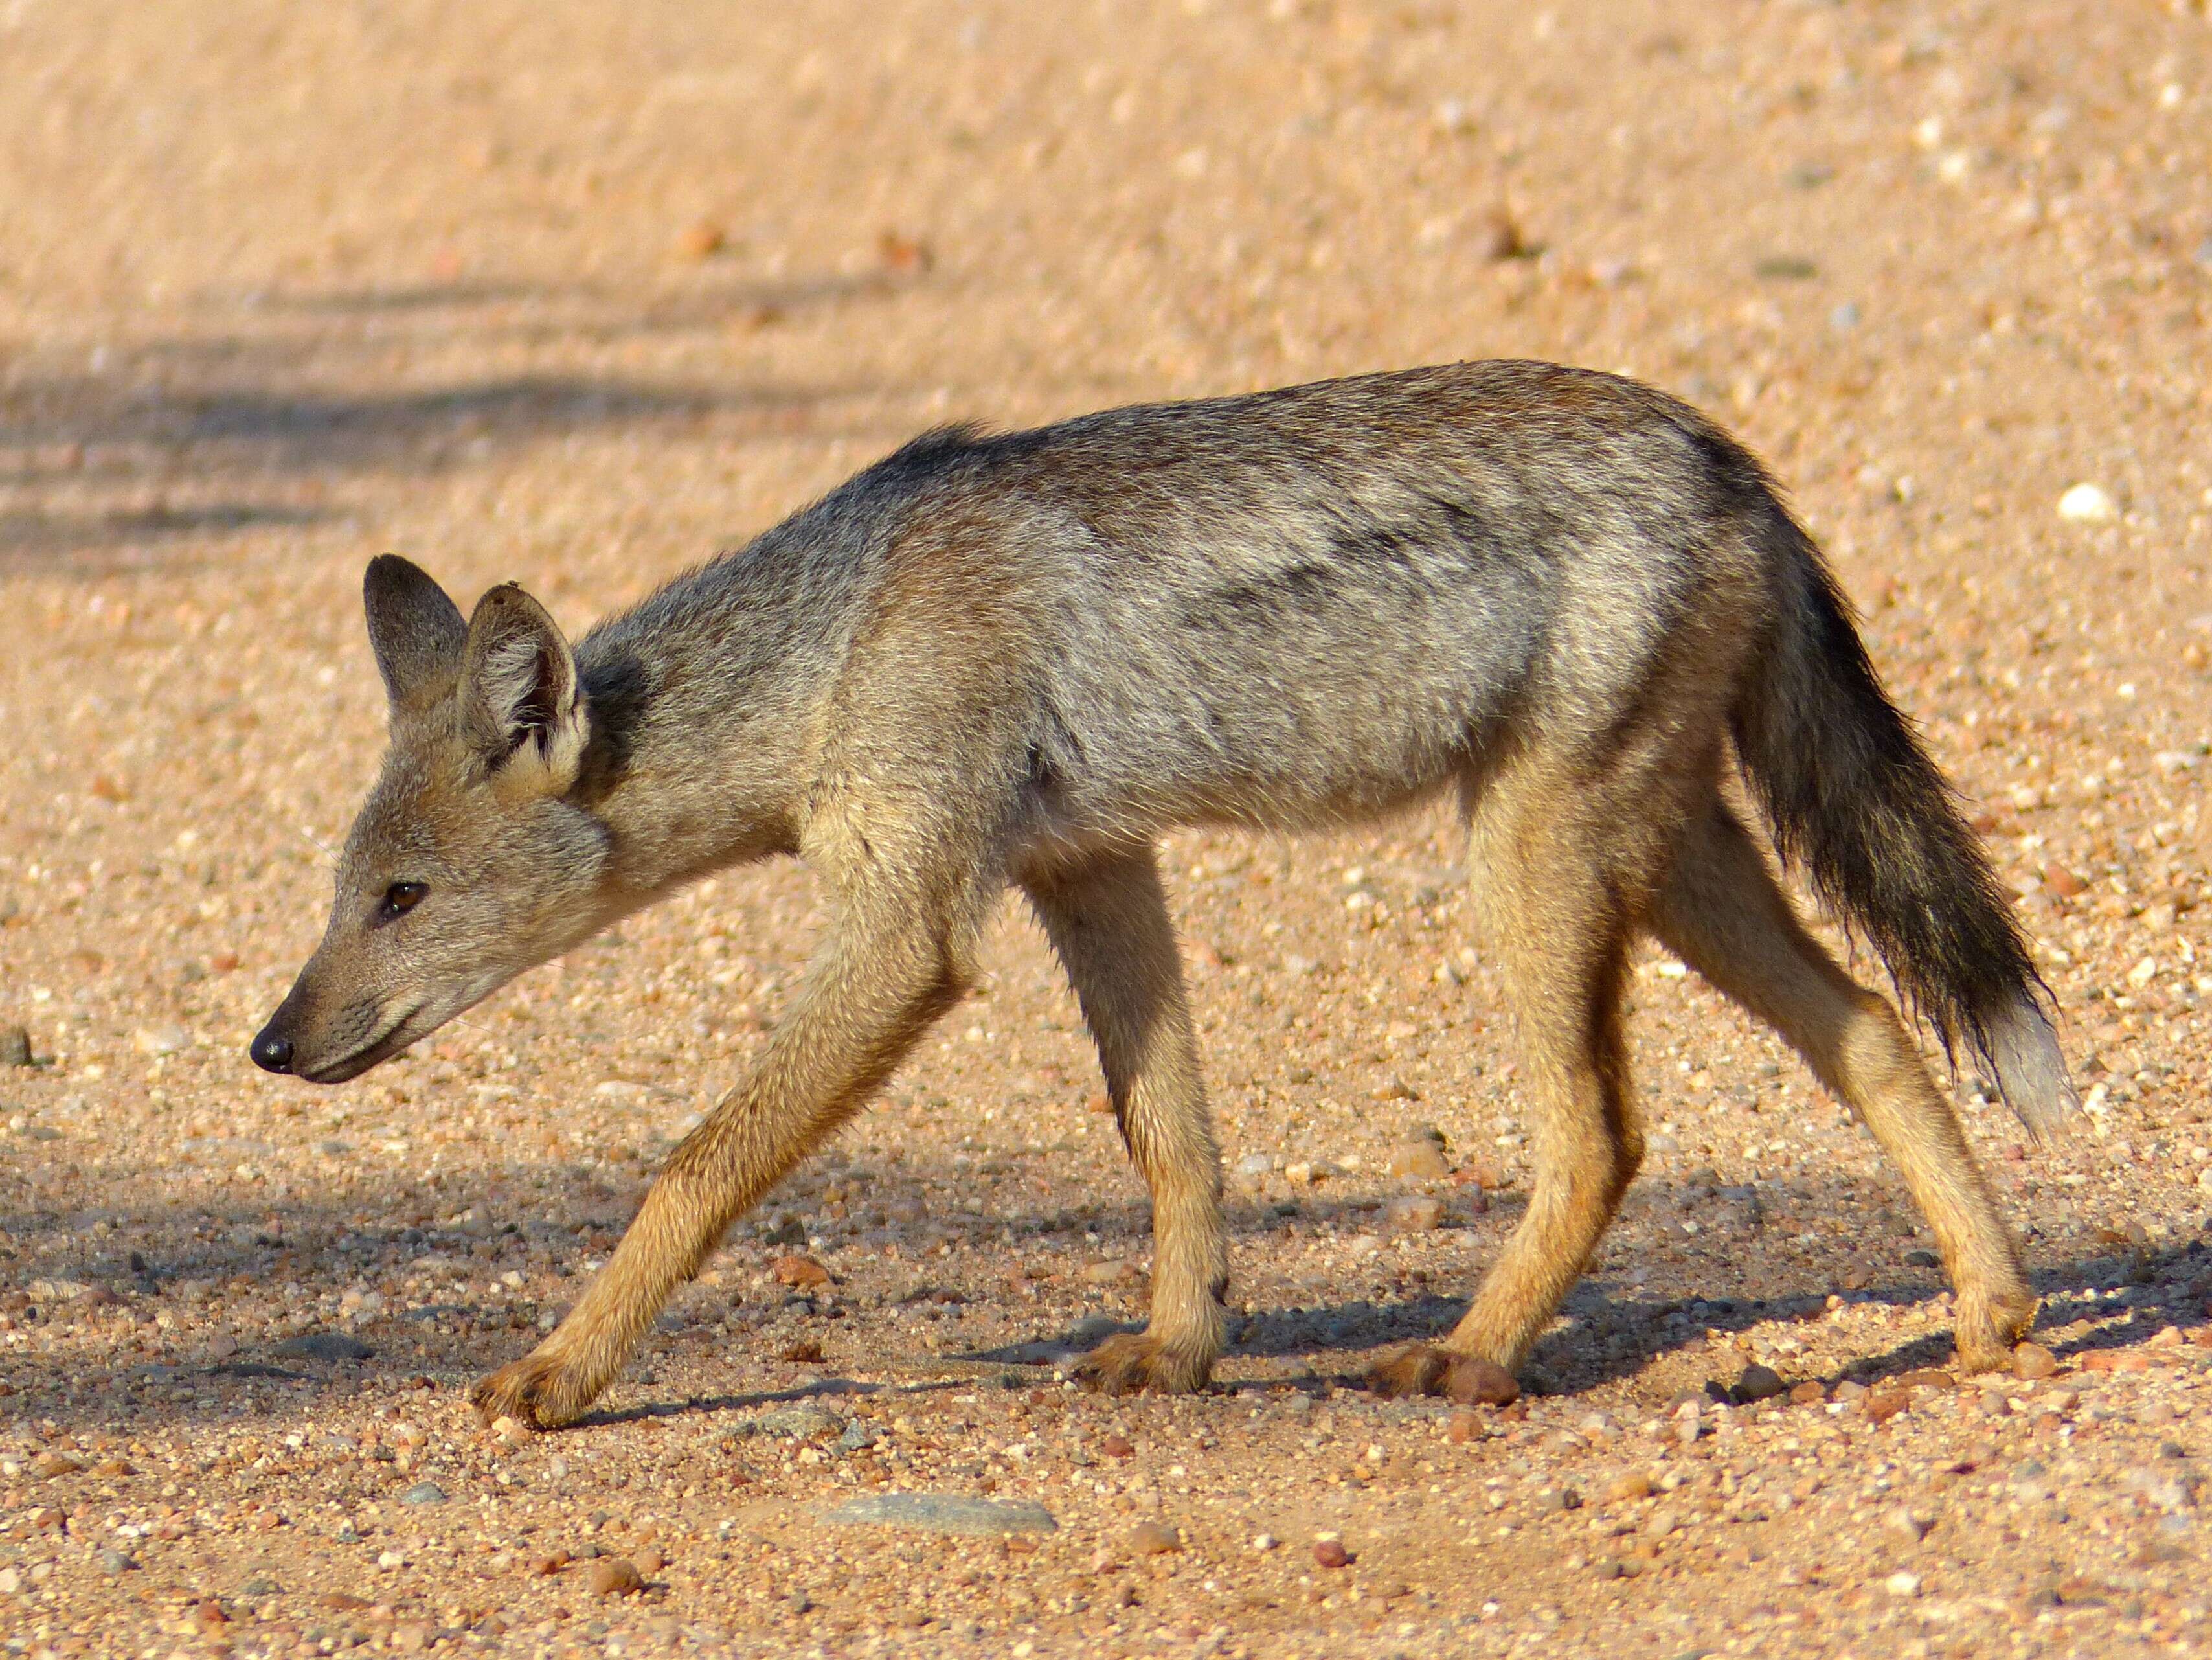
x,y
701,698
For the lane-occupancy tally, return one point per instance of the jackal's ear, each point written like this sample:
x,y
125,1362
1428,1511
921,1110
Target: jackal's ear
x,y
416,631
520,698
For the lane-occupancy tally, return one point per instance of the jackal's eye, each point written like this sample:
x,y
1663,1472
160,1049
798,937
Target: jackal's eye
x,y
400,898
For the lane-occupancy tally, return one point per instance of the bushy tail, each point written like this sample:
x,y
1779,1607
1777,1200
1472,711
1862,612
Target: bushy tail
x,y
1855,803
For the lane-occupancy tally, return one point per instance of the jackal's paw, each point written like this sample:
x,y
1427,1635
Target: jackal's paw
x,y
1984,1332
539,1389
1430,1369
1136,1361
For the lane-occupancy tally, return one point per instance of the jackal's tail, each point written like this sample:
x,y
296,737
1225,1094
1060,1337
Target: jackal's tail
x,y
1855,803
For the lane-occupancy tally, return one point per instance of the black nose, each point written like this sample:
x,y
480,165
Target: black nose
x,y
272,1053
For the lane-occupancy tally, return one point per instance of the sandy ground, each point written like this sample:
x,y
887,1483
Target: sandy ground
x,y
576,294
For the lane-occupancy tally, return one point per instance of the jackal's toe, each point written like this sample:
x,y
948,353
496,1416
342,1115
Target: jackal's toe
x,y
1136,1361
1986,1331
537,1390
1430,1369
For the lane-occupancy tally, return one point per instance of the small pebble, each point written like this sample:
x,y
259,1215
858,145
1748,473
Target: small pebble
x,y
423,1492
1883,1405
1419,1159
1331,1554
799,1271
1154,1539
2086,504
1758,1383
1414,1213
702,238
1902,1584
15,1047
614,1576
1905,1526
2032,1360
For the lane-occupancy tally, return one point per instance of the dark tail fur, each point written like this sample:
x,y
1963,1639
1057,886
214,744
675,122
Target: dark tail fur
x,y
1856,803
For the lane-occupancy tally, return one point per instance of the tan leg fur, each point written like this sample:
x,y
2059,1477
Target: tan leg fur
x,y
1723,912
896,961
1108,920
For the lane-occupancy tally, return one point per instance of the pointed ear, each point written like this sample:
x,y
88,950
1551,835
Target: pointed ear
x,y
416,631
519,698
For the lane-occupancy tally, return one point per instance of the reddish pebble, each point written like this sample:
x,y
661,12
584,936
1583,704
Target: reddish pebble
x,y
1331,1554
799,1271
1115,1446
2062,881
701,241
1883,1405
2032,1360
1810,1393
1464,1425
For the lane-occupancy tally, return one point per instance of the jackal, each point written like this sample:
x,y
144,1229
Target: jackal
x,y
1018,660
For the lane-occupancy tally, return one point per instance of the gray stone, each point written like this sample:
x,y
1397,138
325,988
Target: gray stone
x,y
1254,1168
1758,1383
943,1513
113,1560
15,1046
325,1345
801,1422
423,1492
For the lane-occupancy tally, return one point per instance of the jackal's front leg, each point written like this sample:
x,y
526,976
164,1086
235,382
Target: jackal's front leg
x,y
1108,920
873,989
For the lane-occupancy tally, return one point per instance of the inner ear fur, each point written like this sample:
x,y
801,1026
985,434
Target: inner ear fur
x,y
521,701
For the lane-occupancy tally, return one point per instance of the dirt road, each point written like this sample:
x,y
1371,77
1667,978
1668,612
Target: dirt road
x,y
576,294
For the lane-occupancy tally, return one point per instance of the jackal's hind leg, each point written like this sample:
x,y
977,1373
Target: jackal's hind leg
x,y
1556,887
1565,953
1722,911
1109,921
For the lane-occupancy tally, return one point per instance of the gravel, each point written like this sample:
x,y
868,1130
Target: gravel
x,y
459,310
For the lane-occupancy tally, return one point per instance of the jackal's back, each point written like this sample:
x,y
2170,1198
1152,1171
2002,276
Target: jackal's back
x,y
1317,602
1282,609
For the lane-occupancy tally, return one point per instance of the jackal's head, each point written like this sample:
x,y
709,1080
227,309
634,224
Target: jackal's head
x,y
469,862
